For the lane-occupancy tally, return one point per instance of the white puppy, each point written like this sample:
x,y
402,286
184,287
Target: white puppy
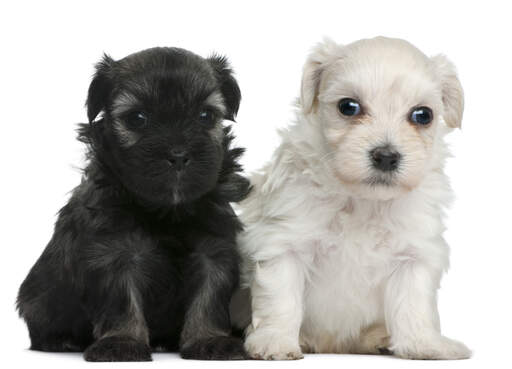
x,y
343,248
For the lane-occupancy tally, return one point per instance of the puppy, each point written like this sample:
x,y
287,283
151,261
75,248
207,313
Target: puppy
x,y
343,245
143,256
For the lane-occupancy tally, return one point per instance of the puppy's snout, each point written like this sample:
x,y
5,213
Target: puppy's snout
x,y
384,158
179,159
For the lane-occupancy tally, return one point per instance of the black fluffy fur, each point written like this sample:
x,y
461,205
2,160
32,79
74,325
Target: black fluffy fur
x,y
143,256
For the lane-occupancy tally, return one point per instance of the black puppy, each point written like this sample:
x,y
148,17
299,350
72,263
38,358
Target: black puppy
x,y
143,255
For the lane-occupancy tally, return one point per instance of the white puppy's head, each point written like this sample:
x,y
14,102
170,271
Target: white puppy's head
x,y
380,104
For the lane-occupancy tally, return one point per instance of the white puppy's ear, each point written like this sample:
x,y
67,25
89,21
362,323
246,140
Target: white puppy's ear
x,y
321,55
453,95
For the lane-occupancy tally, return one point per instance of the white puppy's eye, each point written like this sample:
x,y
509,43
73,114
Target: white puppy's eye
x,y
422,115
136,119
349,107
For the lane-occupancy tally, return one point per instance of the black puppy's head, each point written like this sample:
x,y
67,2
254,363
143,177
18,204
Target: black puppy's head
x,y
160,129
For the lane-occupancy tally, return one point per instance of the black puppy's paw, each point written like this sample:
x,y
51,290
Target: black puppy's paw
x,y
215,348
118,349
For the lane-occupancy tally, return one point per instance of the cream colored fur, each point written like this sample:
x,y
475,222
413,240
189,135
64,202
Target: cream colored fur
x,y
335,264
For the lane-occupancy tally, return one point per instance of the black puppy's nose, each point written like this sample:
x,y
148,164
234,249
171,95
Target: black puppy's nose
x,y
385,159
179,159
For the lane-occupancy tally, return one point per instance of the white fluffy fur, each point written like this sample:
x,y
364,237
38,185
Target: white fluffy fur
x,y
335,264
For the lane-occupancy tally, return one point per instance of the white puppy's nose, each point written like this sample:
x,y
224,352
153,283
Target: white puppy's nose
x,y
385,159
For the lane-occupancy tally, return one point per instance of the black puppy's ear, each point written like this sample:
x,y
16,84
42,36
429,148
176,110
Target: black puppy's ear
x,y
100,87
229,86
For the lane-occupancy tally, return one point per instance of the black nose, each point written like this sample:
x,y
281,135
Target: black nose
x,y
179,159
385,159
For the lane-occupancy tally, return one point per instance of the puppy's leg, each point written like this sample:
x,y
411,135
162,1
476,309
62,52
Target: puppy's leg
x,y
211,278
373,340
56,322
119,326
277,309
51,307
412,318
240,310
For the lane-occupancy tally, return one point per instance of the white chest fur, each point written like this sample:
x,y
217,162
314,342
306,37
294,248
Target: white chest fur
x,y
344,288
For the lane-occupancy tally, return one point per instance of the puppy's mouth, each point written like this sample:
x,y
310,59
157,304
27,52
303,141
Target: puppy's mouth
x,y
381,180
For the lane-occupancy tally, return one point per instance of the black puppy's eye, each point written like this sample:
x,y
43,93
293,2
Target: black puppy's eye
x,y
349,107
422,115
207,116
136,119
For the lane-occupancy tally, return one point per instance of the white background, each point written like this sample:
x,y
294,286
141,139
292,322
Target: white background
x,y
47,54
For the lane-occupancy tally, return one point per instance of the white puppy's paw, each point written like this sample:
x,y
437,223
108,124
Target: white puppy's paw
x,y
265,345
437,348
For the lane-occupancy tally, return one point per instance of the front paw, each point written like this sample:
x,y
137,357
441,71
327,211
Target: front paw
x,y
215,348
436,348
117,349
264,345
